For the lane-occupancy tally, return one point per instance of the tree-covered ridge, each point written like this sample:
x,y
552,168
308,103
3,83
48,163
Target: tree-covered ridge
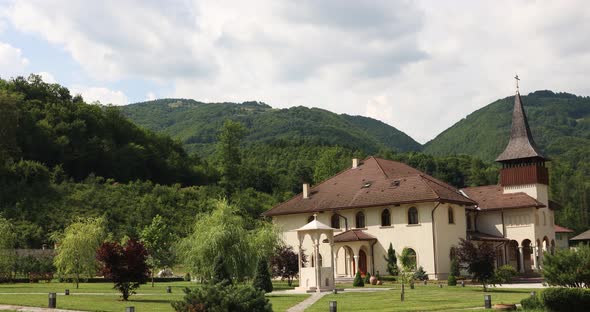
x,y
196,125
559,122
43,122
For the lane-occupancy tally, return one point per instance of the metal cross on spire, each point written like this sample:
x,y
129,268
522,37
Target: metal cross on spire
x,y
517,80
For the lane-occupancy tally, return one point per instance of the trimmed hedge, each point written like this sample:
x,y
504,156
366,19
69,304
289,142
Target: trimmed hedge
x,y
531,303
566,299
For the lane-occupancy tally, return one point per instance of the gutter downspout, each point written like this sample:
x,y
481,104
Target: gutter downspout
x,y
373,257
504,235
434,240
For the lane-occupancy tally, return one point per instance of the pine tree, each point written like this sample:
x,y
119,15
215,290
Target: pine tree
x,y
454,268
262,277
358,280
391,259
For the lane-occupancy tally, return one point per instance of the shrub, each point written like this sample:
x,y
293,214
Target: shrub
x,y
452,280
566,299
391,260
504,274
569,268
187,277
223,297
368,278
531,303
454,268
358,280
262,277
420,274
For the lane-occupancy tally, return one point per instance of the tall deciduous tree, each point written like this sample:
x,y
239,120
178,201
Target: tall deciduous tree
x,y
225,233
229,155
568,268
76,252
125,265
478,260
7,252
8,125
158,240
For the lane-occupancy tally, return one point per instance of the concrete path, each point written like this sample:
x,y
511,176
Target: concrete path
x,y
521,285
4,307
301,306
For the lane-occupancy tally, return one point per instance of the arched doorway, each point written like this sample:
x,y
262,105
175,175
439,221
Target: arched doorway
x,y
527,255
362,262
552,247
513,256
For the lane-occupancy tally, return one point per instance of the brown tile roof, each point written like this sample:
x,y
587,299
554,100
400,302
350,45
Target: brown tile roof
x,y
582,236
492,197
561,229
479,236
353,236
375,182
521,144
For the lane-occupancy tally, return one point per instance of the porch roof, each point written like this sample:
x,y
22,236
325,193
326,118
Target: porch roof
x,y
479,236
353,236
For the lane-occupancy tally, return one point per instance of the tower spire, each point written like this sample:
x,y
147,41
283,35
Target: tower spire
x,y
521,144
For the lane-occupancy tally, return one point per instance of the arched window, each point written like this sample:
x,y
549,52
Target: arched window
x,y
335,221
385,218
360,220
311,218
413,215
411,254
544,218
451,216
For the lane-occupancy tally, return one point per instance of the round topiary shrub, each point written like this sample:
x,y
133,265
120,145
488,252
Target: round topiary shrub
x,y
358,280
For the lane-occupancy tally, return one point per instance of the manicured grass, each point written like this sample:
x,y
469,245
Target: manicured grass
x,y
422,298
102,296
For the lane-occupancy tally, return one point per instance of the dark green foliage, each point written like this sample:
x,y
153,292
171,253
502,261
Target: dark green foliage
x,y
262,279
454,271
452,280
220,272
420,274
504,274
391,259
34,264
358,280
377,276
531,303
187,277
566,299
368,278
221,298
560,123
568,268
229,155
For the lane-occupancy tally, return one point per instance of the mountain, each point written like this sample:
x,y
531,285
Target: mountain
x,y
560,123
196,124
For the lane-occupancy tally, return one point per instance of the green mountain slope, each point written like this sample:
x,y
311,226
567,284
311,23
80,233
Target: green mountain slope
x,y
196,124
560,123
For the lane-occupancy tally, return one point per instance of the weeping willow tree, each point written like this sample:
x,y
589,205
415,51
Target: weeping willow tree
x,y
77,245
224,233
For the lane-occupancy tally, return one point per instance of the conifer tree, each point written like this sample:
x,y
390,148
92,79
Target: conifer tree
x,y
262,277
220,273
391,259
358,280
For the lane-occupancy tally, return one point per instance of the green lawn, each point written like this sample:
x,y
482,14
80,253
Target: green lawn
x,y
101,296
422,298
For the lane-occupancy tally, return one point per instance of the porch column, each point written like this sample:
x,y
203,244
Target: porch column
x,y
333,264
356,264
299,256
535,262
521,258
318,278
541,253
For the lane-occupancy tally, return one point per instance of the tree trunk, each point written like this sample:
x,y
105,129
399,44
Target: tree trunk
x,y
152,278
403,292
77,280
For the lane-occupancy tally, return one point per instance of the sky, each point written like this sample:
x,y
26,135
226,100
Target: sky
x,y
419,66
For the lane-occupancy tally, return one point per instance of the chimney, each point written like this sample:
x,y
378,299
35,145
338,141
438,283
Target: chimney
x,y
305,190
355,163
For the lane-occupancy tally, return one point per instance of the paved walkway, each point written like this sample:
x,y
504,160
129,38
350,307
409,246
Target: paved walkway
x,y
4,307
300,307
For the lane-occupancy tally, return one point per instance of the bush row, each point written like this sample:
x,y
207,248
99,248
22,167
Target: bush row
x,y
559,299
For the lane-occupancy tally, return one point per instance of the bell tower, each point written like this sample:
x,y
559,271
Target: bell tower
x,y
523,165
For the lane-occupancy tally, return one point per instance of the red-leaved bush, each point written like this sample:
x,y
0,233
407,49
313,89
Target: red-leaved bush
x,y
125,265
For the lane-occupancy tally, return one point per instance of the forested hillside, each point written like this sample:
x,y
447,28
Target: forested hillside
x,y
560,123
196,125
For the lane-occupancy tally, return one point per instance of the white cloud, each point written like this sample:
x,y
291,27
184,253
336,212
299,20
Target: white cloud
x,y
47,77
12,61
150,96
419,66
103,95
